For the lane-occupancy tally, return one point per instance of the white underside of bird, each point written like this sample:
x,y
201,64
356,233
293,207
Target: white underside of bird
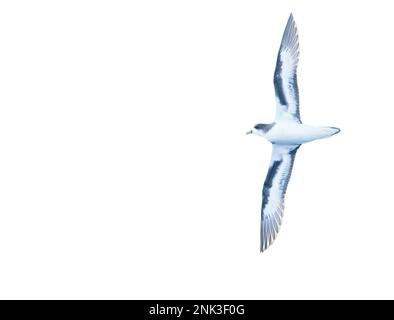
x,y
286,133
292,133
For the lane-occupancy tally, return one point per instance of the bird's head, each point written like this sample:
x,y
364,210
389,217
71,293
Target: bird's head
x,y
261,129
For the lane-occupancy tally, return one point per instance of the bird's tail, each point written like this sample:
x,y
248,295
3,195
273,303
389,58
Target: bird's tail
x,y
325,132
334,130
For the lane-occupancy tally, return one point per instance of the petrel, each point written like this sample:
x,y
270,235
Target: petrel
x,y
286,134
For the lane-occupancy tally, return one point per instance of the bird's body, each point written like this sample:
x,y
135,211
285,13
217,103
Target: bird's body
x,y
286,134
289,132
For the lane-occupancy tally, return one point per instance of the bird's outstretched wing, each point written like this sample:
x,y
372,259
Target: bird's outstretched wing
x,y
285,76
274,191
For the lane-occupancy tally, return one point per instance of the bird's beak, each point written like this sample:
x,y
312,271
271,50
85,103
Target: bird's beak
x,y
249,132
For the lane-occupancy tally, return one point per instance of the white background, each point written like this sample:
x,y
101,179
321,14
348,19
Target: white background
x,y
125,171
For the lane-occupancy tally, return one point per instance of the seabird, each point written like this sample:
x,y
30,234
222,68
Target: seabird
x,y
286,134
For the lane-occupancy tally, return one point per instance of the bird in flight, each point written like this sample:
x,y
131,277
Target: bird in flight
x,y
286,134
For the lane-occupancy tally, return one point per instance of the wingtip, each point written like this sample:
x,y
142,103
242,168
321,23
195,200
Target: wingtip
x,y
264,247
290,34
